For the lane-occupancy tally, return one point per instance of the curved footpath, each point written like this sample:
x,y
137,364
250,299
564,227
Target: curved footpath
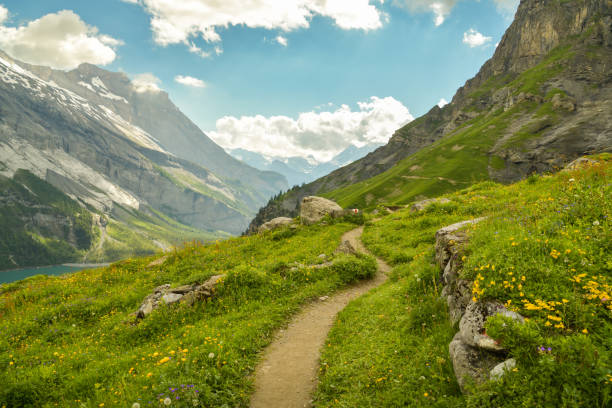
x,y
287,375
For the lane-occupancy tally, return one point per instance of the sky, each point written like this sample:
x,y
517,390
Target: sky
x,y
279,77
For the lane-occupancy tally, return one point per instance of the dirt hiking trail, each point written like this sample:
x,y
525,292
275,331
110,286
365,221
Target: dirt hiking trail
x,y
287,375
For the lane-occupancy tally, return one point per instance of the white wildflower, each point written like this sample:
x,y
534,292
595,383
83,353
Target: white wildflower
x,y
211,355
167,401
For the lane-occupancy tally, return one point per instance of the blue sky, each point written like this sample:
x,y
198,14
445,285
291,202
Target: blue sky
x,y
344,71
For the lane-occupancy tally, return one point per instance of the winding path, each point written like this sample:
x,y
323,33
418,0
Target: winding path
x,y
287,375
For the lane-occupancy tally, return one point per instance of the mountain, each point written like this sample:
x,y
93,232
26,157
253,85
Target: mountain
x,y
299,170
542,100
95,140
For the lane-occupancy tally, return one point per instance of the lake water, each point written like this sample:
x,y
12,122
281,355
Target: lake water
x,y
18,274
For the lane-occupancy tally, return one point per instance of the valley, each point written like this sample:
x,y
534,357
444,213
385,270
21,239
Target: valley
x,y
463,263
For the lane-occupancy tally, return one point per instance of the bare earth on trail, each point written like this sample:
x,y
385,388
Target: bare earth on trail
x,y
287,375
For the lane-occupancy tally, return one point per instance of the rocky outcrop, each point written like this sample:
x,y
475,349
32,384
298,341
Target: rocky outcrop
x,y
476,357
580,163
186,294
313,209
275,223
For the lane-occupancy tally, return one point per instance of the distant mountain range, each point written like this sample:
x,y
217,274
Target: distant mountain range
x,y
542,100
299,170
145,173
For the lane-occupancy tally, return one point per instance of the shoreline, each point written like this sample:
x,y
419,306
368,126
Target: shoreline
x,y
69,265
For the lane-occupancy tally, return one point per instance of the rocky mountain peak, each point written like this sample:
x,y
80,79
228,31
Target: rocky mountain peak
x,y
538,27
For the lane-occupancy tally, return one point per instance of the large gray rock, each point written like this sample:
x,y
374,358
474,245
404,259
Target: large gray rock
x,y
275,223
187,294
470,363
472,325
313,209
499,370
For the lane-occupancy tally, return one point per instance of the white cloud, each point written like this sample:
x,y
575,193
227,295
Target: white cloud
x,y
60,40
175,22
440,8
320,134
282,40
146,82
190,81
3,14
475,39
443,102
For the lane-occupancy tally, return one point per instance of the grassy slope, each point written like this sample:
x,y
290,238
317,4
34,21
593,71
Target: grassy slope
x,y
544,251
66,341
462,157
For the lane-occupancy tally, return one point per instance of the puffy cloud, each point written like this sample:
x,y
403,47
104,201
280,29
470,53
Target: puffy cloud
x,y
175,22
475,39
3,14
282,40
320,134
443,102
190,81
146,82
60,40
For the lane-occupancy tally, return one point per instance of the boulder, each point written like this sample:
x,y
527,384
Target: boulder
x,y
499,370
170,298
313,209
275,223
471,326
560,102
187,294
470,363
580,163
421,205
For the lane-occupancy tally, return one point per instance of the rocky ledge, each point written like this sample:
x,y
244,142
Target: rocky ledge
x,y
476,357
187,294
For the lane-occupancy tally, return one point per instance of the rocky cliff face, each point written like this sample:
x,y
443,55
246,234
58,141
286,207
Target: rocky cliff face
x,y
548,82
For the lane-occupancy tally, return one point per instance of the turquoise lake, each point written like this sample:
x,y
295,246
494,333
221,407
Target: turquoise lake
x,y
18,274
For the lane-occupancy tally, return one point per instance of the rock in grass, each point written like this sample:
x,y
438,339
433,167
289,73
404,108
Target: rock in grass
x,y
471,326
275,223
499,370
421,205
186,294
470,364
580,163
313,209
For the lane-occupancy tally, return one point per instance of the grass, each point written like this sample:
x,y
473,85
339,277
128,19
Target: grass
x,y
543,251
67,341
